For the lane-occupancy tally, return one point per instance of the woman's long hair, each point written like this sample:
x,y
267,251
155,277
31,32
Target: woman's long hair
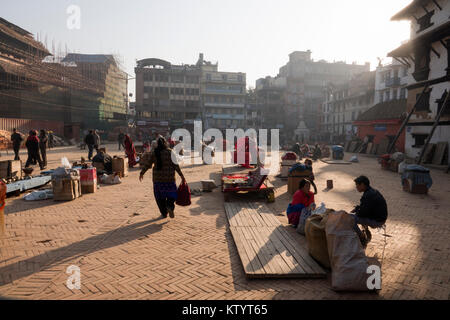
x,y
162,145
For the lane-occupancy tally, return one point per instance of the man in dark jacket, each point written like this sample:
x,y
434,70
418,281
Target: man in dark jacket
x,y
32,145
90,142
43,140
372,211
16,140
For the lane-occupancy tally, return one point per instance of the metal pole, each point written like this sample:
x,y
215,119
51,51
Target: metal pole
x,y
436,122
405,122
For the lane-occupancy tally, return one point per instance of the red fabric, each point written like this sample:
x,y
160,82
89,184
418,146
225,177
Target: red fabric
x,y
130,151
34,139
184,195
301,198
289,156
2,195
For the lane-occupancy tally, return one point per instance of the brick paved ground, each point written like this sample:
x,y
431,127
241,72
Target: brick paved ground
x,y
125,252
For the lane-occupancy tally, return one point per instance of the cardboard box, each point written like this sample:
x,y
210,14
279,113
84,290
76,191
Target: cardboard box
x,y
10,169
120,166
67,187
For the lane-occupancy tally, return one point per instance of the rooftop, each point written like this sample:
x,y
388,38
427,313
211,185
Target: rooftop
x,y
393,109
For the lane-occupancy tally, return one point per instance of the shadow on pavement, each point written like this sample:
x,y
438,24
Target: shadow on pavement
x,y
103,241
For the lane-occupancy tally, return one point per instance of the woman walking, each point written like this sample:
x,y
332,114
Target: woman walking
x,y
130,151
164,187
32,145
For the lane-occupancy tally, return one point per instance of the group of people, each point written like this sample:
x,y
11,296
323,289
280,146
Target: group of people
x,y
371,212
36,145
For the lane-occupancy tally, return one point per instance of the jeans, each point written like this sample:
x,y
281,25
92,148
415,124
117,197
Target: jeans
x,y
91,151
164,204
366,222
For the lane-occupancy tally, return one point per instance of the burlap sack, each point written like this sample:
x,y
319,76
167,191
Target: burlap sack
x,y
347,257
317,240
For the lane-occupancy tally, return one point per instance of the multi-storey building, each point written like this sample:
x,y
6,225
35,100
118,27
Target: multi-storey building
x,y
391,81
108,107
427,56
270,95
223,96
306,83
344,103
168,93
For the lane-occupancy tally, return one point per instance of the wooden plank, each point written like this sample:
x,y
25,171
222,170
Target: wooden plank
x,y
254,216
231,214
269,215
237,216
369,148
246,220
248,267
300,254
294,267
261,256
267,251
441,148
247,254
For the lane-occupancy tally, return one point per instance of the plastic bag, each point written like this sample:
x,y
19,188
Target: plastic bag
x,y
65,163
354,159
39,195
347,257
306,213
184,195
320,210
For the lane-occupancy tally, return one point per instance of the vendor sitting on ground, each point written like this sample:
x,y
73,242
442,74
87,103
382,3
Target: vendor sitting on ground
x,y
104,158
302,199
309,164
317,152
372,211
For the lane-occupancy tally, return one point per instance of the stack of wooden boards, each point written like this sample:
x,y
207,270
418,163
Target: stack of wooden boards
x,y
267,248
11,169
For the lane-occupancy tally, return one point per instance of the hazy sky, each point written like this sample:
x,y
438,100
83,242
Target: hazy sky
x,y
251,36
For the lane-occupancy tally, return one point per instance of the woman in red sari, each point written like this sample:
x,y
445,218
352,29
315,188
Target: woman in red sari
x,y
130,151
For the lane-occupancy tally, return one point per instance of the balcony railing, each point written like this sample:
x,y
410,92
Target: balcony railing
x,y
391,82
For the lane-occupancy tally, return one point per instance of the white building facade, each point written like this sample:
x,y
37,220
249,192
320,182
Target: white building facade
x,y
428,60
391,81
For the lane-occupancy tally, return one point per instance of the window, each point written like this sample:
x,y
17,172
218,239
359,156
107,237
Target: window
x,y
422,63
388,95
419,140
440,103
394,94
240,78
381,96
208,77
425,21
424,103
448,57
224,77
403,93
405,71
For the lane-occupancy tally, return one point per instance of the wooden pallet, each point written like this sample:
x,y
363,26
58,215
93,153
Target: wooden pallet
x,y
267,249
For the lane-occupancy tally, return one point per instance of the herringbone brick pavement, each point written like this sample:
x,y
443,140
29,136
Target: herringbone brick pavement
x,y
125,251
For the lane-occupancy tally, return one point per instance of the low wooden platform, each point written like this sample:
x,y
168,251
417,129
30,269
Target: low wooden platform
x,y
331,161
267,248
